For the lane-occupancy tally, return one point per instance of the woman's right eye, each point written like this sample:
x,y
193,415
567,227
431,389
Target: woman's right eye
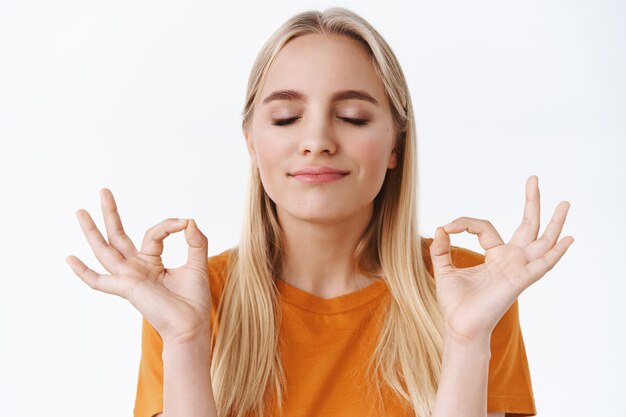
x,y
283,122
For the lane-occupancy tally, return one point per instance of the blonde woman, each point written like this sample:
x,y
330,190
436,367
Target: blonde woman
x,y
332,304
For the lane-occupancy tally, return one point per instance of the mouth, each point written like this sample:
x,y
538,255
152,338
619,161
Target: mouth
x,y
319,174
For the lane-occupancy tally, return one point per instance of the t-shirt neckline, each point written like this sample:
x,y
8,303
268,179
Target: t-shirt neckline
x,y
310,302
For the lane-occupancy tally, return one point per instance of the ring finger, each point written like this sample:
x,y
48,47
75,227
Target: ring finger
x,y
549,237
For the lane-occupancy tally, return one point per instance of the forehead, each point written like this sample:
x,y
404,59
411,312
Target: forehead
x,y
321,64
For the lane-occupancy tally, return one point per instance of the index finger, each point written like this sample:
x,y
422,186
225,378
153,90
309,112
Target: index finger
x,y
153,239
488,236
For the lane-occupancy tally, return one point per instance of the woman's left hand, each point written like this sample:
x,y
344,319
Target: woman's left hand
x,y
473,300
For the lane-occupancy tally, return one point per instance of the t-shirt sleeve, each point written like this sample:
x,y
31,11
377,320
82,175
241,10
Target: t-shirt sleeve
x,y
149,395
509,387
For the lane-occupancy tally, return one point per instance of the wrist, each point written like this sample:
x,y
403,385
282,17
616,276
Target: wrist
x,y
189,350
196,342
474,337
476,344
192,336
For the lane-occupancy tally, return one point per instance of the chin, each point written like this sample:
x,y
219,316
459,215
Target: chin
x,y
320,214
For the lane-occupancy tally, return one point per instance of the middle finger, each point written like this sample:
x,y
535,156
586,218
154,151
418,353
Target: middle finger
x,y
527,232
108,256
113,223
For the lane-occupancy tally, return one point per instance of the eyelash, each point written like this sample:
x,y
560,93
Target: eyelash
x,y
285,122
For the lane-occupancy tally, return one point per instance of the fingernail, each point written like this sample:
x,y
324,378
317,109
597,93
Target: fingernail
x,y
182,220
448,225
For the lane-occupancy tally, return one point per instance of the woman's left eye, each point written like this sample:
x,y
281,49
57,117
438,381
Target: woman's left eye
x,y
358,122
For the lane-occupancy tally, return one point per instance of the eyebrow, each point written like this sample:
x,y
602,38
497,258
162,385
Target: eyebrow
x,y
338,96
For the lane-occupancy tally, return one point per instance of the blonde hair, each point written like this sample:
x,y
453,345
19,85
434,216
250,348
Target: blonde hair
x,y
247,372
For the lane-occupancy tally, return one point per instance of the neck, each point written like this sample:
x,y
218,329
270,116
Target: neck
x,y
319,258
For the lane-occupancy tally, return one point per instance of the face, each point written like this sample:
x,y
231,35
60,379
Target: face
x,y
322,107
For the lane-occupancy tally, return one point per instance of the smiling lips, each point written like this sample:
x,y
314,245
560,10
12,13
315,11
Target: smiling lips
x,y
318,174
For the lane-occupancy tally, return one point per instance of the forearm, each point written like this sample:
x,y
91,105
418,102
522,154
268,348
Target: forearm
x,y
187,387
462,388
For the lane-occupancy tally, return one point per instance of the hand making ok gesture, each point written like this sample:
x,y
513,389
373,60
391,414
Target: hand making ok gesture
x,y
175,301
473,300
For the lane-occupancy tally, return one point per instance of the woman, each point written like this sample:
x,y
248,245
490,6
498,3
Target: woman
x,y
330,296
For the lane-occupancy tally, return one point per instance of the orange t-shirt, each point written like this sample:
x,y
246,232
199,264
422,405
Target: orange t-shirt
x,y
328,343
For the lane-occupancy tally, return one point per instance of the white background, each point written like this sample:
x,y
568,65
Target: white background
x,y
145,98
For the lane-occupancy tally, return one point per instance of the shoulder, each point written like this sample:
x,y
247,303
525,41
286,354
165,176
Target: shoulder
x,y
218,270
461,257
218,264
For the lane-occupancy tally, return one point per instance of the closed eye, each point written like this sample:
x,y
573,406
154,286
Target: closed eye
x,y
284,122
358,122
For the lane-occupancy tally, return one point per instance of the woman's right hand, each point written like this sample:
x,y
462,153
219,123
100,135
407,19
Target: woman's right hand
x,y
176,302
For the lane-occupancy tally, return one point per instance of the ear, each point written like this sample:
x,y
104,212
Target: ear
x,y
250,146
393,160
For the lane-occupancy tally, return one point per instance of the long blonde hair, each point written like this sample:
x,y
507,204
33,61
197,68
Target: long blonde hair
x,y
247,372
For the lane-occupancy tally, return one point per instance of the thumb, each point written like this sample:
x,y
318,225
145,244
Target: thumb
x,y
198,246
440,252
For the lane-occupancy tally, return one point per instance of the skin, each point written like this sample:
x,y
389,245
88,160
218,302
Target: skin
x,y
322,223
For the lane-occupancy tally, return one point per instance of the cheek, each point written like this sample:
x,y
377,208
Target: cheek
x,y
373,153
271,155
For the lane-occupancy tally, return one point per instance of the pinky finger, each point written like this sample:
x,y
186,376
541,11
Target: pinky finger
x,y
540,266
90,277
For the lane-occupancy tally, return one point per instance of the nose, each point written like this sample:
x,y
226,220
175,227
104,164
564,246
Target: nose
x,y
318,138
